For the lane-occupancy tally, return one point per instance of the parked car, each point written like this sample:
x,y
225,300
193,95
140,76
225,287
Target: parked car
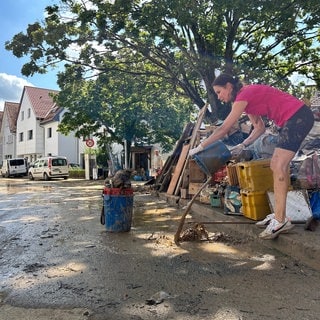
x,y
49,167
14,167
74,166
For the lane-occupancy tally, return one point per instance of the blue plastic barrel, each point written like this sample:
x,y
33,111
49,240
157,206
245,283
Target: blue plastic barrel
x,y
118,208
213,157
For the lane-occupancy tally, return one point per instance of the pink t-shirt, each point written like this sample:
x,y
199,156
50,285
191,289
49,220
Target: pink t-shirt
x,y
264,100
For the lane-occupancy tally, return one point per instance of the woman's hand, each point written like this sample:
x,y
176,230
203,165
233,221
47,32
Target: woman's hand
x,y
236,150
195,150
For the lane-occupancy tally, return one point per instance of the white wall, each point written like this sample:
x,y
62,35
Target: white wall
x,y
27,147
8,142
59,144
70,147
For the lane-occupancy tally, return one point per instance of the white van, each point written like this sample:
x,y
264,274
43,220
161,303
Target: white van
x,y
49,167
14,167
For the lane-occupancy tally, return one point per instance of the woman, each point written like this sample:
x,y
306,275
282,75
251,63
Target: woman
x,y
289,113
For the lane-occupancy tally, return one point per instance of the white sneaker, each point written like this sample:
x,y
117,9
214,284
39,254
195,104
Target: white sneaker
x,y
265,221
274,228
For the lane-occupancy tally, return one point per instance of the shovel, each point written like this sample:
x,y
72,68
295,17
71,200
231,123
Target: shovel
x,y
210,160
183,217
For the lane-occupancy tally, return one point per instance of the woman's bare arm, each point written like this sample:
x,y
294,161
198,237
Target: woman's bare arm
x,y
236,112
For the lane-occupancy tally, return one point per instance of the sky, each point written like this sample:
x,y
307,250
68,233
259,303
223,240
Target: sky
x,y
14,18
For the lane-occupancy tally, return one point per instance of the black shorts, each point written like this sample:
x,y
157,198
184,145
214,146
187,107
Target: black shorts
x,y
296,129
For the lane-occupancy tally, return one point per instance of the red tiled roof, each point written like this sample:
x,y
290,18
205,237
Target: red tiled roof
x,y
12,110
40,99
53,112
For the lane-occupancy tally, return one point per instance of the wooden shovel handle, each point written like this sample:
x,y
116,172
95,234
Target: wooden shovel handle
x,y
183,217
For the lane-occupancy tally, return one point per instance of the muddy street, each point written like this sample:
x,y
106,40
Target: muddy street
x,y
58,262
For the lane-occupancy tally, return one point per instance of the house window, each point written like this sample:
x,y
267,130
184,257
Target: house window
x,y
29,112
30,134
22,115
49,134
21,136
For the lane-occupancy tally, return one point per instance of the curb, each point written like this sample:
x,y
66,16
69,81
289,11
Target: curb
x,y
300,244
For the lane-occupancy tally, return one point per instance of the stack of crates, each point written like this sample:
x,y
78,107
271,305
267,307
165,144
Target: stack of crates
x,y
255,179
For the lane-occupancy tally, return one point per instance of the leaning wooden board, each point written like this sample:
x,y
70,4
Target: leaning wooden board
x,y
178,169
201,115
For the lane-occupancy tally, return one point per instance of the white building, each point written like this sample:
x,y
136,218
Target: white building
x,y
30,130
8,131
36,128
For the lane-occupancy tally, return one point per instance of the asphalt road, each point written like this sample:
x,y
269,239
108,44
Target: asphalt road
x,y
58,262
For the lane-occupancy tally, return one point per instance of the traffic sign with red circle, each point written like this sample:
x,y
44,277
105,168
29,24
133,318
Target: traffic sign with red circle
x,y
90,143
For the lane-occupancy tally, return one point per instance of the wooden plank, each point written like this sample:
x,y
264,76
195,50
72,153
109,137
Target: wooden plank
x,y
178,169
166,172
201,115
193,139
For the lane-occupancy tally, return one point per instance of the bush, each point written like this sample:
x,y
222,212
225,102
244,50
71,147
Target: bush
x,y
77,173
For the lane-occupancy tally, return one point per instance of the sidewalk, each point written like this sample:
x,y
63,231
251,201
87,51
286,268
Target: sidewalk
x,y
299,244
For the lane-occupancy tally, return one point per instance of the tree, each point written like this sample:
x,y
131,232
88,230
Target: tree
x,y
178,45
129,108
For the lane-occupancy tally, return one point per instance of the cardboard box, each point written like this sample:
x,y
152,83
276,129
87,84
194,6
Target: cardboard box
x,y
195,173
194,187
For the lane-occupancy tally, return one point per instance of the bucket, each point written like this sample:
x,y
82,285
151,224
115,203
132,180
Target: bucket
x,y
117,209
215,200
213,157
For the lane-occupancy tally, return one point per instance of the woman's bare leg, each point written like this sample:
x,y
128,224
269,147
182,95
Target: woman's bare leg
x,y
280,162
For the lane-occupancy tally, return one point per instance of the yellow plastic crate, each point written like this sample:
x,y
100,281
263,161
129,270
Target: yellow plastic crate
x,y
255,175
255,204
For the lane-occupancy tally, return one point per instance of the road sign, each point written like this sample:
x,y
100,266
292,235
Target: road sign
x,y
89,143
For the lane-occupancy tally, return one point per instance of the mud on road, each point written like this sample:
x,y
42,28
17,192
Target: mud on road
x,y
58,262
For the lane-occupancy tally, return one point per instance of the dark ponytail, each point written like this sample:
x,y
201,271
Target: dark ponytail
x,y
224,78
